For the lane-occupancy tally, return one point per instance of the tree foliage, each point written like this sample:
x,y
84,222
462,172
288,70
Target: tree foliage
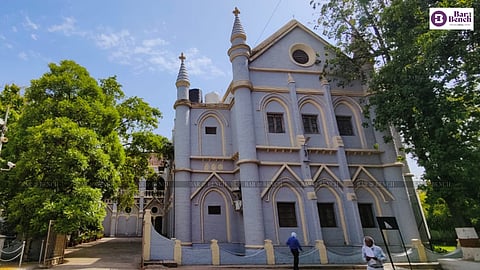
x,y
76,141
425,83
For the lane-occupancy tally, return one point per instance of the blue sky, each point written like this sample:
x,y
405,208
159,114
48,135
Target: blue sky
x,y
138,41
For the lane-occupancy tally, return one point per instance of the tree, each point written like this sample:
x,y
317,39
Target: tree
x,y
434,83
73,144
425,84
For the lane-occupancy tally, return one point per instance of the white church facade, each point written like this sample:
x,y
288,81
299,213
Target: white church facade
x,y
286,149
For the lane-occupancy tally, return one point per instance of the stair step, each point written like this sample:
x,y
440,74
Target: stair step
x,y
159,264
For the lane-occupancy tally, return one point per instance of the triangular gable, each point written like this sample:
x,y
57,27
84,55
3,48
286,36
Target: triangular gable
x,y
208,179
282,32
363,178
277,175
325,176
154,199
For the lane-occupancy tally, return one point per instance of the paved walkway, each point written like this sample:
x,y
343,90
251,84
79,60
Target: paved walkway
x,y
103,254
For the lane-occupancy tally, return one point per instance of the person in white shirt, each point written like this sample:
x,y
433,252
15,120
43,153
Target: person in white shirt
x,y
372,254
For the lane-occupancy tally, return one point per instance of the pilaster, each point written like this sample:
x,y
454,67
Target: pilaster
x,y
354,226
313,225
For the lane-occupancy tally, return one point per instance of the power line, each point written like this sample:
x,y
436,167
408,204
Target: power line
x,y
271,16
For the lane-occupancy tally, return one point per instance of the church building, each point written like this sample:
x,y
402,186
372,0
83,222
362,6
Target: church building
x,y
286,149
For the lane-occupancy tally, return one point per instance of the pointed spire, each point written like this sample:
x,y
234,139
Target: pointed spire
x,y
182,73
237,31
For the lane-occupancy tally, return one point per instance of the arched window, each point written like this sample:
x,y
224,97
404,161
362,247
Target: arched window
x,y
211,137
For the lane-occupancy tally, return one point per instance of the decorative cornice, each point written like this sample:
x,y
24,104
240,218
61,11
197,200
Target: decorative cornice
x,y
221,106
267,89
324,151
282,149
182,102
283,70
211,158
385,165
239,53
362,152
239,50
244,161
241,84
243,47
182,170
216,171
182,83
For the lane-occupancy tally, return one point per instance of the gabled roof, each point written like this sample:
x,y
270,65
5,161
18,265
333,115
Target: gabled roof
x,y
275,37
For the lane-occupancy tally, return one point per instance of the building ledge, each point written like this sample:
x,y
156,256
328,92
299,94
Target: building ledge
x,y
363,152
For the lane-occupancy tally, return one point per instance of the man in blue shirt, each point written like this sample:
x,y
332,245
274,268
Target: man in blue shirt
x,y
294,246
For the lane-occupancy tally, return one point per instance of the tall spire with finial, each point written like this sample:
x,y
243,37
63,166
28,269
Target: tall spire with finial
x,y
182,80
244,119
181,143
237,31
182,73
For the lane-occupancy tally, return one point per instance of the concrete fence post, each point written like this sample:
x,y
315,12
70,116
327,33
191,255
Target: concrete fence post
x,y
147,237
322,251
215,252
269,252
177,252
418,245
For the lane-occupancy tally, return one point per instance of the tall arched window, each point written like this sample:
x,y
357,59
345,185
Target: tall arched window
x,y
211,137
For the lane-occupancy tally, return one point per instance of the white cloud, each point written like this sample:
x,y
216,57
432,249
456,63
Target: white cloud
x,y
152,54
67,27
14,29
154,42
142,50
164,62
23,56
34,37
120,39
197,64
30,24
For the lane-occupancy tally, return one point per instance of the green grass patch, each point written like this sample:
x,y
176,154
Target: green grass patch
x,y
444,249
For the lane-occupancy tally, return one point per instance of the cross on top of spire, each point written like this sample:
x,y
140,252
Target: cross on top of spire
x,y
236,11
182,57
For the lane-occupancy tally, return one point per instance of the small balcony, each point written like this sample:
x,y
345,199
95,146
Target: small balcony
x,y
154,194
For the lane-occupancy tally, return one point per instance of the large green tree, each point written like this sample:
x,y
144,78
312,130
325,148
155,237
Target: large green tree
x,y
425,83
76,141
